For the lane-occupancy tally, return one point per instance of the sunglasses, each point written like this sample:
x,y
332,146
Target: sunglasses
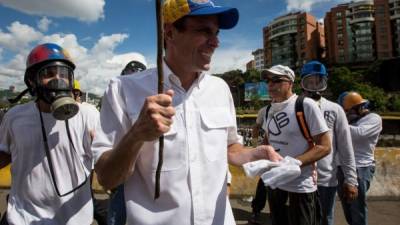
x,y
276,80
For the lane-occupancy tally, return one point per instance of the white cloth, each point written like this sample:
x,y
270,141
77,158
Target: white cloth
x,y
283,133
287,170
342,149
257,168
193,177
365,134
33,199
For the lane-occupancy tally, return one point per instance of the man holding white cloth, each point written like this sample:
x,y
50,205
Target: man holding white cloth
x,y
284,134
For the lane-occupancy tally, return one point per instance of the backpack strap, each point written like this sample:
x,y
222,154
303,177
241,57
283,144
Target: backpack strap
x,y
301,120
267,111
265,141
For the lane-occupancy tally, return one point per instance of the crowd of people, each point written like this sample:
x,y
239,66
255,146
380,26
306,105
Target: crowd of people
x,y
55,142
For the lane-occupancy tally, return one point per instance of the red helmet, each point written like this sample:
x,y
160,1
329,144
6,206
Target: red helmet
x,y
43,54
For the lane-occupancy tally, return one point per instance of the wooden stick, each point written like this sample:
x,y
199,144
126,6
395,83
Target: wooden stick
x,y
160,48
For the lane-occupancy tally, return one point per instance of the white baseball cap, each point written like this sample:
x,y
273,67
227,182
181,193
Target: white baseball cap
x,y
279,70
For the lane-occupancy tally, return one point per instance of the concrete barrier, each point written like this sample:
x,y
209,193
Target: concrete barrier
x,y
386,182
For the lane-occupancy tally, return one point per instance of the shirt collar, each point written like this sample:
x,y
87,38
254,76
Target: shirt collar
x,y
173,79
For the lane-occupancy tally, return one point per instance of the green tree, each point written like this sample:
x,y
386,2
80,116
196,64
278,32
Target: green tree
x,y
394,102
342,79
251,76
376,96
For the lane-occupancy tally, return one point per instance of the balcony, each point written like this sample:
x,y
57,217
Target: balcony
x,y
283,32
369,18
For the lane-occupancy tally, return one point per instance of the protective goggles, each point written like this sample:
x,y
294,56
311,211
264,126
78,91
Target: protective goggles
x,y
63,72
314,82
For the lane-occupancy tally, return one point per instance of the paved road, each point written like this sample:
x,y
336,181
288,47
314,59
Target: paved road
x,y
382,212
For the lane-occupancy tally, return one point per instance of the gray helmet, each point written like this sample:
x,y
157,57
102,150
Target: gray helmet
x,y
133,67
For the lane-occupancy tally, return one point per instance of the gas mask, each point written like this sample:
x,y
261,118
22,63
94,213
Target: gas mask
x,y
313,85
58,91
357,112
316,95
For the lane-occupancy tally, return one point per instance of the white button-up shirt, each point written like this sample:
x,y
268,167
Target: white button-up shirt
x,y
193,177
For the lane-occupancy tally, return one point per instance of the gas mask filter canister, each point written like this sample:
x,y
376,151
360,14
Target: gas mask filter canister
x,y
58,94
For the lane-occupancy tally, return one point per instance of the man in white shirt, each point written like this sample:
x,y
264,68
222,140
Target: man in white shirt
x,y
48,143
284,134
314,80
196,116
365,128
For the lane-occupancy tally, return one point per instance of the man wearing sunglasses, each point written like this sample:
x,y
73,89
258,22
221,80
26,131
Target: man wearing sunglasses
x,y
48,143
284,134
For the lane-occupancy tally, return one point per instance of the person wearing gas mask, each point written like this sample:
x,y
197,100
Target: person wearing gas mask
x,y
314,80
365,128
48,143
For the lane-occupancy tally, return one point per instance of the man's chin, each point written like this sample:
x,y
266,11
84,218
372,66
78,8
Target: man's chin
x,y
207,67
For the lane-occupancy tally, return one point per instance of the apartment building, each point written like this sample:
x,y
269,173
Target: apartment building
x,y
293,39
362,31
250,65
258,59
394,15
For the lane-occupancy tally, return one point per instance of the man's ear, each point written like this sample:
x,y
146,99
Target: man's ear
x,y
168,32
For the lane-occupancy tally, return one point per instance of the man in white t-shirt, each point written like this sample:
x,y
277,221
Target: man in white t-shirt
x,y
365,128
284,134
48,143
196,115
314,79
